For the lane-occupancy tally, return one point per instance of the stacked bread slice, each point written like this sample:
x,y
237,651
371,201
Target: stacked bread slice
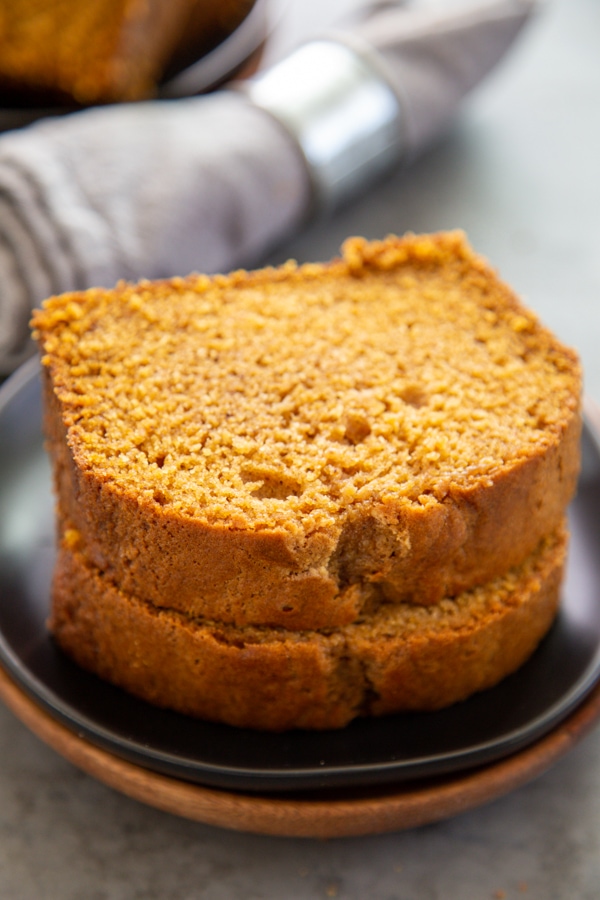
x,y
290,497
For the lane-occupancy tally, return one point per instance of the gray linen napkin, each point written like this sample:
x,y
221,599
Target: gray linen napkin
x,y
211,183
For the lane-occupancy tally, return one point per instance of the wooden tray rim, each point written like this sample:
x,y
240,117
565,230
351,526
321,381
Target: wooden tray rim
x,y
380,810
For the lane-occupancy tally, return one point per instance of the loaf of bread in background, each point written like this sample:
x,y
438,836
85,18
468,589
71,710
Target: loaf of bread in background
x,y
99,51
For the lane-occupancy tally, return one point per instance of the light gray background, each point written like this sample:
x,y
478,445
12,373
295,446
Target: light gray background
x,y
520,173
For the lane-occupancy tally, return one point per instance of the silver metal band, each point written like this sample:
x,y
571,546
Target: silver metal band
x,y
341,111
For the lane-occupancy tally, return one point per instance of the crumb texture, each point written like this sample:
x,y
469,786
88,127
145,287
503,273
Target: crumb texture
x,y
322,388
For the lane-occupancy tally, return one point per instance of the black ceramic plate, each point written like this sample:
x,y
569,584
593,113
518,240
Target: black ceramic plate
x,y
397,748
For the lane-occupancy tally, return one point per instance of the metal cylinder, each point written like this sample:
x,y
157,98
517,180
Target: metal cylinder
x,y
341,111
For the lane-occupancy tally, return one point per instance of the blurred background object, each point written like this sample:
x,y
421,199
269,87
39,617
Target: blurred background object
x,y
64,52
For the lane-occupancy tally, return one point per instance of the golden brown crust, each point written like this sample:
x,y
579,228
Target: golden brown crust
x,y
401,658
323,565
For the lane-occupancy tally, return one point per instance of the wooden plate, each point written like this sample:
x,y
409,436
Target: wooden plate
x,y
341,814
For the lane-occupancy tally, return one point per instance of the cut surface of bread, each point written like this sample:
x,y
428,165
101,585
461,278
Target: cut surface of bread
x,y
403,657
297,446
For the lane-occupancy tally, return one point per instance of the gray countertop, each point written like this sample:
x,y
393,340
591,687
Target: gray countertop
x,y
520,172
